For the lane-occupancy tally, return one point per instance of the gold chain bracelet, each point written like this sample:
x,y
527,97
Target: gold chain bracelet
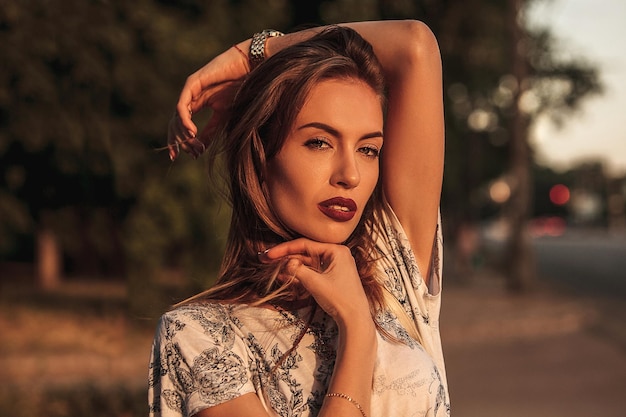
x,y
347,397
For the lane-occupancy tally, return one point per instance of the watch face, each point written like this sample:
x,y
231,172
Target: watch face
x,y
272,33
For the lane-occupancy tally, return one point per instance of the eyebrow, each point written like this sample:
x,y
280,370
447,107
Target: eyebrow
x,y
332,131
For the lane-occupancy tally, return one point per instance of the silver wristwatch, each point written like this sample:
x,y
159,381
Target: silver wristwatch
x,y
257,47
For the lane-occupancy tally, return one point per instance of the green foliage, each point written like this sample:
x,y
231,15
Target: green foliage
x,y
481,94
559,81
182,225
87,90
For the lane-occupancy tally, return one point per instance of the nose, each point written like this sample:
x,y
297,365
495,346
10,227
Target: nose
x,y
346,171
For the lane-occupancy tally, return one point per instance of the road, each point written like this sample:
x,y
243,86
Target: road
x,y
587,262
559,351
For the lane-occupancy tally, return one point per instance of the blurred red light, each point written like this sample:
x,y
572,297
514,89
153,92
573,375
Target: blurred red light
x,y
559,194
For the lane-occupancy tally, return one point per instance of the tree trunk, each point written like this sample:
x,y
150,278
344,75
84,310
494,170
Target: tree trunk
x,y
521,267
48,259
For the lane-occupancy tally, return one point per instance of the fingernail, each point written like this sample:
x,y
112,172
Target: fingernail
x,y
263,257
191,134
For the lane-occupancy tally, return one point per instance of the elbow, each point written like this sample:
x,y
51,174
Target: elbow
x,y
419,45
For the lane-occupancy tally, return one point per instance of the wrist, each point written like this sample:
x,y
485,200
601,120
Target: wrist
x,y
356,314
258,46
360,330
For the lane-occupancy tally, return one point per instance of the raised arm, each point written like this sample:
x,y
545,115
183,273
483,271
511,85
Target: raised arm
x,y
413,154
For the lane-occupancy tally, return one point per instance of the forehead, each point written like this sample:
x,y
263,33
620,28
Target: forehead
x,y
343,102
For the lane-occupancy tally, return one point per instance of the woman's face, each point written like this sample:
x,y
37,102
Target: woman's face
x,y
321,179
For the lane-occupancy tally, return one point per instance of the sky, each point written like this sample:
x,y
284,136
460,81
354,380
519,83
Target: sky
x,y
595,29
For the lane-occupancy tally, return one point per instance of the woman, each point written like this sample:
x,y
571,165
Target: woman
x,y
328,299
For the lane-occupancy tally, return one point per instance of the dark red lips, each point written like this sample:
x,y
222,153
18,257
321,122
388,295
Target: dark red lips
x,y
338,208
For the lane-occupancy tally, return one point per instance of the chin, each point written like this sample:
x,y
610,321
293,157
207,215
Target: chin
x,y
331,236
325,231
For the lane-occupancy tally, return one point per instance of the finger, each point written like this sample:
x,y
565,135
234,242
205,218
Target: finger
x,y
300,246
309,278
287,274
185,110
194,147
183,107
314,255
304,259
176,131
173,151
173,140
195,96
185,122
178,138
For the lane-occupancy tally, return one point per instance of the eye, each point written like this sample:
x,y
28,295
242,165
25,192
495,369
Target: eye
x,y
370,151
317,143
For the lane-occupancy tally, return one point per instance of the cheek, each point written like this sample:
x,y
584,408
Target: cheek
x,y
297,173
290,182
370,177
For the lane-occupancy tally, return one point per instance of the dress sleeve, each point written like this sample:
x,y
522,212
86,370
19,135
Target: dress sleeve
x,y
403,279
198,360
399,262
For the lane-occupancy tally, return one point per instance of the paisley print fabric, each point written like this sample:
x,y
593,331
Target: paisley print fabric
x,y
208,353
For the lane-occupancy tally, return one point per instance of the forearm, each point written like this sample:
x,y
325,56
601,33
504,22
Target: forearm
x,y
353,373
413,157
397,43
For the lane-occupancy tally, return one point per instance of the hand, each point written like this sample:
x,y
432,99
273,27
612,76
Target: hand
x,y
212,86
329,274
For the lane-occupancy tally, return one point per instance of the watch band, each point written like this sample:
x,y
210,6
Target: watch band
x,y
257,46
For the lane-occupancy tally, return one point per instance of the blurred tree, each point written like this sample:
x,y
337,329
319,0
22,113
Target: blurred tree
x,y
54,130
500,75
87,91
520,262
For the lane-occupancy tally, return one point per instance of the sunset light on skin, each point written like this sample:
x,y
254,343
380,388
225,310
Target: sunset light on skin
x,y
326,171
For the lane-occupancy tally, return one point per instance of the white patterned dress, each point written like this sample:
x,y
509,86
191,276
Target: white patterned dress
x,y
207,353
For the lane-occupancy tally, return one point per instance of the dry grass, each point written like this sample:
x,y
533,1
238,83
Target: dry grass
x,y
65,351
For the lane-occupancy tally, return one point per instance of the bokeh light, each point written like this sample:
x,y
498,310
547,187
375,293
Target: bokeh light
x,y
559,194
